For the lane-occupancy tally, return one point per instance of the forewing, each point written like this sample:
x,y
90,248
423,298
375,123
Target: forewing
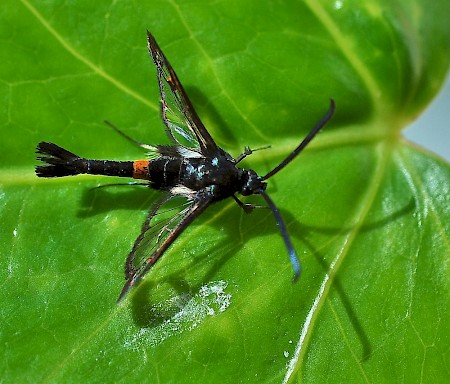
x,y
167,219
178,114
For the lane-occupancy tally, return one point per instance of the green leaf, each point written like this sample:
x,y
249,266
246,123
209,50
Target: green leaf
x,y
367,211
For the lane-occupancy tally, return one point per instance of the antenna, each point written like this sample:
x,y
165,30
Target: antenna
x,y
292,255
325,119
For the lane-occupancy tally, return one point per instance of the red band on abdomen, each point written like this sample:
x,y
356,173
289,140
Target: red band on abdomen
x,y
140,169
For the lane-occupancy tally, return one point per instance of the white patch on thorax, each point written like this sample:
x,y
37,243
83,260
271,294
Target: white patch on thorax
x,y
181,190
188,153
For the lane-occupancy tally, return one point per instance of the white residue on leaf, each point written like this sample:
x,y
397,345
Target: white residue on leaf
x,y
210,300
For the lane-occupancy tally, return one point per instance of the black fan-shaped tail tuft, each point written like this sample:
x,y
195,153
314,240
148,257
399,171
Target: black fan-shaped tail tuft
x,y
59,161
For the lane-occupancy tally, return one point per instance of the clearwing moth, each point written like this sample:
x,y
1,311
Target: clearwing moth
x,y
193,167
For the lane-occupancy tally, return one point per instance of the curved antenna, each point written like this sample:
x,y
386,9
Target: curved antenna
x,y
325,119
292,255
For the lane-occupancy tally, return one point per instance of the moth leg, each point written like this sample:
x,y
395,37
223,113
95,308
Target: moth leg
x,y
117,184
130,139
243,155
247,152
248,208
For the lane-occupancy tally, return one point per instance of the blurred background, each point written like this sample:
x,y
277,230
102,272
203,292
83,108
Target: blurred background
x,y
432,129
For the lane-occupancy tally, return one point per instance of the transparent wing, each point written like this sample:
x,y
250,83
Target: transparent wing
x,y
167,219
178,114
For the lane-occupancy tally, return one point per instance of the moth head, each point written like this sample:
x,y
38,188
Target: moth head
x,y
251,183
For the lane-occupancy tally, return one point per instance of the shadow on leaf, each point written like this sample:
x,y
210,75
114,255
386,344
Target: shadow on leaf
x,y
148,313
